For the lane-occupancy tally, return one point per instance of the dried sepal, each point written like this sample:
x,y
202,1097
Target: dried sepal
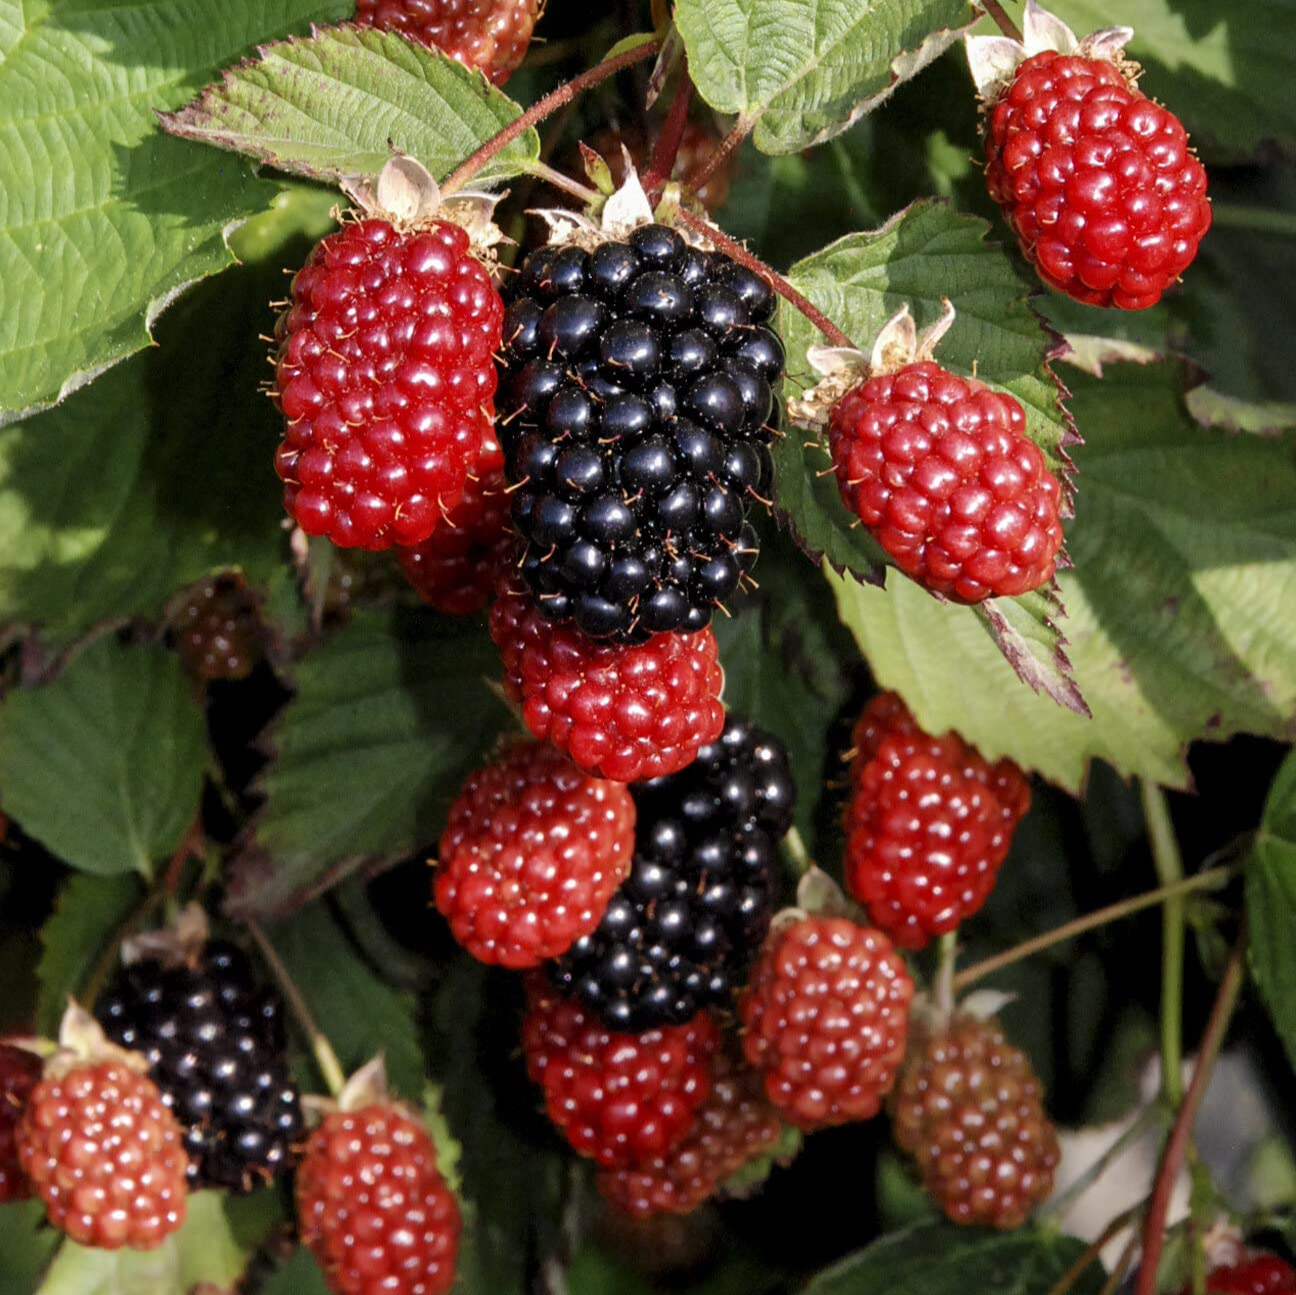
x,y
82,1042
177,944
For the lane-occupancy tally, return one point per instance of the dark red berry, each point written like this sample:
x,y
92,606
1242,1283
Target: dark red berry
x,y
19,1072
374,1209
104,1153
386,378
825,1017
941,471
928,822
490,35
621,1099
532,852
217,629
1258,1274
1097,180
620,712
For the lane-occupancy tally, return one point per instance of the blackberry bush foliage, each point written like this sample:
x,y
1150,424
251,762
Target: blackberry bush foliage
x,y
606,615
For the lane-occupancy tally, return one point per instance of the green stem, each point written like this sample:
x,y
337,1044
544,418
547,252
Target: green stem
x,y
1060,1203
1210,880
542,171
1169,870
1264,220
943,985
795,849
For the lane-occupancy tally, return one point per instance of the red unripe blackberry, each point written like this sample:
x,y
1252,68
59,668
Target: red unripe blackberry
x,y
1259,1274
218,630
455,570
386,378
969,1109
1097,180
825,1017
105,1155
490,35
374,1209
532,852
928,822
735,1125
621,1099
19,1072
941,471
624,712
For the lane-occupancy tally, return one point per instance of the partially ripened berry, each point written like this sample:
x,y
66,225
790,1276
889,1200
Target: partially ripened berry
x,y
620,712
490,35
735,1125
621,1099
636,408
941,471
969,1109
928,822
697,146
218,630
683,930
373,1207
385,376
826,1017
1258,1274
1096,179
456,568
532,852
19,1072
216,1048
103,1152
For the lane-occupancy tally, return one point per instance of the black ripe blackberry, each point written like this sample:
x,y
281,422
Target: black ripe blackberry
x,y
684,928
637,406
216,1048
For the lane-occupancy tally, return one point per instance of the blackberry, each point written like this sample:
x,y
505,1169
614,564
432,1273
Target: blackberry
x,y
683,929
216,1047
636,411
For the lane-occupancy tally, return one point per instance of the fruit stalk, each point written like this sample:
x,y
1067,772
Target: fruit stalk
x,y
1169,869
668,142
996,12
727,146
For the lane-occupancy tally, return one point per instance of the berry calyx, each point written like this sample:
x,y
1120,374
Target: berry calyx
x,y
532,852
928,822
969,1109
1258,1274
621,1099
735,1125
825,1017
681,932
456,568
20,1071
696,147
217,629
490,35
1098,181
620,712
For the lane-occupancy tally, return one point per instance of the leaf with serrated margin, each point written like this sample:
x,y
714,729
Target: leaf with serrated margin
x,y
801,71
924,253
389,717
104,766
1271,905
103,219
339,103
1181,607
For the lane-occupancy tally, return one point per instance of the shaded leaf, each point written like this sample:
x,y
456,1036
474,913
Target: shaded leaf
x,y
299,1275
27,1243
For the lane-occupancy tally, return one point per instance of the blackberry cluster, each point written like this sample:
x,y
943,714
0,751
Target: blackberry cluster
x,y
682,931
216,1047
636,414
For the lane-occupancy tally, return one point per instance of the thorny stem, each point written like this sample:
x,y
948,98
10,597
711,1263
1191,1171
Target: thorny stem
x,y
542,108
722,151
1210,880
667,147
795,849
325,1058
1169,870
995,11
543,171
776,281
1177,1144
1081,1265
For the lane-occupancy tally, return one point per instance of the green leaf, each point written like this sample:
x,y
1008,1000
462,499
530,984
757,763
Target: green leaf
x,y
204,1250
339,103
105,219
1227,73
942,1259
158,474
1179,615
26,1242
104,766
299,1275
1271,905
360,1013
803,70
74,939
390,716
